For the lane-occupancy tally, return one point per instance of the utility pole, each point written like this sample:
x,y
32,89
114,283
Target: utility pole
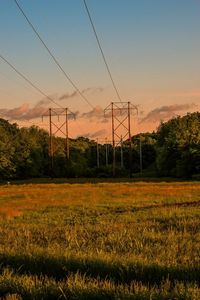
x,y
122,155
50,142
120,113
54,128
66,134
129,137
141,167
106,141
113,139
98,154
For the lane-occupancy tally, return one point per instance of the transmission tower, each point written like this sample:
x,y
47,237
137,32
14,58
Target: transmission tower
x,y
54,128
120,113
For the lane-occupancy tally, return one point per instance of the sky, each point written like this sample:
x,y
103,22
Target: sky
x,y
152,48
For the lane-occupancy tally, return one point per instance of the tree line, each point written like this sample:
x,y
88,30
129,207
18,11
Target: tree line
x,y
171,151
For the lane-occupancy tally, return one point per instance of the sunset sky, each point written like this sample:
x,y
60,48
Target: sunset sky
x,y
152,48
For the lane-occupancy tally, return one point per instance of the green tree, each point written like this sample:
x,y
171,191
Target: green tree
x,y
178,146
31,155
8,136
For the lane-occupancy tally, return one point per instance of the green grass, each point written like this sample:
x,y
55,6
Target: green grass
x,y
100,241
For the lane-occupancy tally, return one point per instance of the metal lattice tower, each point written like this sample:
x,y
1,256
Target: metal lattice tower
x,y
54,128
120,113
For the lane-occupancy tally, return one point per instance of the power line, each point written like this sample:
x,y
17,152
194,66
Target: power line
x,y
101,50
29,81
15,81
52,55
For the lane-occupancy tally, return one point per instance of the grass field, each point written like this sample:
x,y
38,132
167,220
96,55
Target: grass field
x,y
100,241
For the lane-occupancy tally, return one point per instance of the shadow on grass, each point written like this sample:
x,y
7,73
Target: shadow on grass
x,y
124,209
175,204
60,267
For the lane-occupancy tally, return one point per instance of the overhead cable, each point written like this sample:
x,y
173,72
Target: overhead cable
x,y
52,55
29,81
101,50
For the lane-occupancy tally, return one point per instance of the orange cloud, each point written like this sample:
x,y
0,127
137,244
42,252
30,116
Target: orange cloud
x,y
166,112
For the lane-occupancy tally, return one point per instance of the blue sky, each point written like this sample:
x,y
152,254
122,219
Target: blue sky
x,y
152,47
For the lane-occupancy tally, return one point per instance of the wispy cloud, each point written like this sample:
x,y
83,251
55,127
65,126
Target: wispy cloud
x,y
14,113
84,91
96,134
166,112
25,112
97,113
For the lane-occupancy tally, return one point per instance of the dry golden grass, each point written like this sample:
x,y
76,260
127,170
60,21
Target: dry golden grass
x,y
130,240
15,199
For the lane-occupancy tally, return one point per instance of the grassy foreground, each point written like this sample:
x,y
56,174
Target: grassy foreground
x,y
100,241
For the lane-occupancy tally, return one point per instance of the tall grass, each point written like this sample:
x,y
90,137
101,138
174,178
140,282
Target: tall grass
x,y
100,241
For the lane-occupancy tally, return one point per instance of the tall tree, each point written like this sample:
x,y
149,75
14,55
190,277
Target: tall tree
x,y
178,152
